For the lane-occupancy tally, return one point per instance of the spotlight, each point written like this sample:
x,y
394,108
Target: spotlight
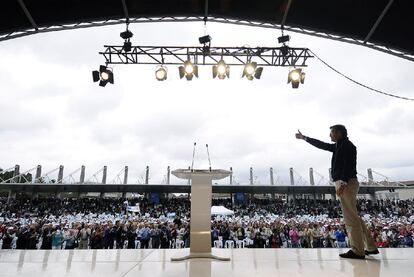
x,y
204,39
221,70
104,75
295,77
161,73
189,70
283,39
251,71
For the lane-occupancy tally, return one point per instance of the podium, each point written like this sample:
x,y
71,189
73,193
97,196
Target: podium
x,y
200,224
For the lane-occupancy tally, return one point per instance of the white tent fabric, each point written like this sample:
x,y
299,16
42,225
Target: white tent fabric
x,y
220,210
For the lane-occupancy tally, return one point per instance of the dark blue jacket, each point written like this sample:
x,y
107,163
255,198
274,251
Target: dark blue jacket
x,y
344,158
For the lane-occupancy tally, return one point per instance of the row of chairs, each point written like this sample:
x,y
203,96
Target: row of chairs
x,y
177,244
220,243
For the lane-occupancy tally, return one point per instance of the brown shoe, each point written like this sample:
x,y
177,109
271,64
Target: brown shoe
x,y
351,255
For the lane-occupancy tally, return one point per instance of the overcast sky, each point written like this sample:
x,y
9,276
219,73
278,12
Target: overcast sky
x,y
51,112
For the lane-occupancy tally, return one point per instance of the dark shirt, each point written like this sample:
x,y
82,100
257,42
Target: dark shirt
x,y
344,158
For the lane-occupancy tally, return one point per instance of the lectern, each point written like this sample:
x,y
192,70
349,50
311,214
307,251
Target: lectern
x,y
200,228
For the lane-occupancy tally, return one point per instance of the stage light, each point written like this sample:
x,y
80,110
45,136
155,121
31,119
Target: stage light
x,y
189,70
221,70
283,39
251,71
204,39
104,75
296,77
161,73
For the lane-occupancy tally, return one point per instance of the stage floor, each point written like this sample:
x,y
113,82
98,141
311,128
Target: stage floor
x,y
244,262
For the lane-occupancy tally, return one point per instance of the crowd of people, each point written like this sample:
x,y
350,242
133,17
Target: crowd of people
x,y
105,223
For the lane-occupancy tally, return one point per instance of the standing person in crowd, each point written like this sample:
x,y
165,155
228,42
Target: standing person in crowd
x,y
164,237
294,237
145,236
97,238
33,238
120,235
131,236
343,171
83,236
57,238
112,237
46,237
340,238
155,236
23,238
7,238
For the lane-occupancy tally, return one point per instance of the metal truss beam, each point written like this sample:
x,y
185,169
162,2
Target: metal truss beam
x,y
317,33
263,56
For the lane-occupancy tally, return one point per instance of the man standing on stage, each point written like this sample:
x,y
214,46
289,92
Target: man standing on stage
x,y
344,175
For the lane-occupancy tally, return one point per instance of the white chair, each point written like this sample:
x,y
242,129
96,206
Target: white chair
x,y
137,244
248,242
240,244
229,244
218,244
179,244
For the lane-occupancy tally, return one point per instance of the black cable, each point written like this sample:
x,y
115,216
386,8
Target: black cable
x,y
360,84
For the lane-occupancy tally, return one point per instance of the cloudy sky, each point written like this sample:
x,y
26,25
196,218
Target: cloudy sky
x,y
51,112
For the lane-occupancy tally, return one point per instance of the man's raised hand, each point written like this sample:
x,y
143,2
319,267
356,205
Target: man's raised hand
x,y
299,135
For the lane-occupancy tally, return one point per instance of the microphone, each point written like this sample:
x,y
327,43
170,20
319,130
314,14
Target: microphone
x,y
192,163
208,155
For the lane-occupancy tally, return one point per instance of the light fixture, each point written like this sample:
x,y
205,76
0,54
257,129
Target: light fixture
x,y
283,38
221,70
189,70
296,77
161,73
104,75
127,35
204,39
251,71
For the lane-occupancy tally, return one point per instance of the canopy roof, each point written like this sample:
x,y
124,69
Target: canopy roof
x,y
221,210
381,24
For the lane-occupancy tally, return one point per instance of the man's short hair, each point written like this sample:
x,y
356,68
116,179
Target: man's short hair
x,y
340,128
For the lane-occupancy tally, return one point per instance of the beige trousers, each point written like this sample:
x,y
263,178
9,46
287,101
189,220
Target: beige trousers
x,y
358,233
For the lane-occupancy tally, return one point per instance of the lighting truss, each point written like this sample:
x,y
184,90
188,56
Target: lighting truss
x,y
168,55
